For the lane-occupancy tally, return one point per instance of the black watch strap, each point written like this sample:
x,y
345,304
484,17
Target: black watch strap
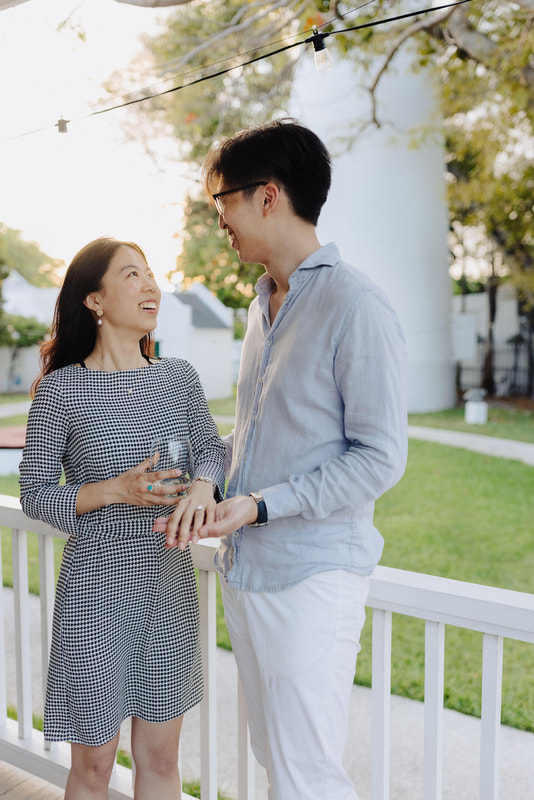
x,y
263,517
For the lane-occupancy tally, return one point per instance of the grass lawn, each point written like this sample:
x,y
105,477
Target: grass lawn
x,y
467,516
457,514
224,406
9,422
13,398
505,420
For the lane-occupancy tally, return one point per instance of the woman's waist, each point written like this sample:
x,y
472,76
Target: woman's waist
x,y
114,521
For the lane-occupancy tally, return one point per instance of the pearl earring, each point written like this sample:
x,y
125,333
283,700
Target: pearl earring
x,y
99,314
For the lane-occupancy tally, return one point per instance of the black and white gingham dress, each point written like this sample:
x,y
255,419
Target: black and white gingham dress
x,y
125,634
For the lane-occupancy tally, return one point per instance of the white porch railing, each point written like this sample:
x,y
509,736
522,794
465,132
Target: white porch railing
x,y
496,613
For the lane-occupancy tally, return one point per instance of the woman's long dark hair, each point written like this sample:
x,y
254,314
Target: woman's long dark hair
x,y
73,330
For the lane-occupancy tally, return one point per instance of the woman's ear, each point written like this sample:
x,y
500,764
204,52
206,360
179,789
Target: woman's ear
x,y
91,302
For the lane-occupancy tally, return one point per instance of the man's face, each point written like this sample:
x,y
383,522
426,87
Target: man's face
x,y
240,216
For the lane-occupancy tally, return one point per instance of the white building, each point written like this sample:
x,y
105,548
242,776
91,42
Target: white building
x,y
193,325
387,208
196,326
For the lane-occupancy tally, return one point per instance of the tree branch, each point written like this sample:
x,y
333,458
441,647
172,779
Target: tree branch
x,y
454,27
235,27
411,30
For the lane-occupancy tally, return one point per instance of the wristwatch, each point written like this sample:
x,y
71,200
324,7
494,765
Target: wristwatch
x,y
263,518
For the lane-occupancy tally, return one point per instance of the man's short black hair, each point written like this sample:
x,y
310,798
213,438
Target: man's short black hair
x,y
283,152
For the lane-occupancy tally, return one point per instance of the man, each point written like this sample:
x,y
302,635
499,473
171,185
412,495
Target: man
x,y
320,434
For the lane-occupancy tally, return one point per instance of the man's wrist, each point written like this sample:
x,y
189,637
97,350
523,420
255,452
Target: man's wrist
x,y
263,517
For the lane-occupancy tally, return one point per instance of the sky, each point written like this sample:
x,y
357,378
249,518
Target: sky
x,y
63,190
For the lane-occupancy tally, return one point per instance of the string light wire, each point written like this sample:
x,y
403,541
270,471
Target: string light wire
x,y
321,35
244,53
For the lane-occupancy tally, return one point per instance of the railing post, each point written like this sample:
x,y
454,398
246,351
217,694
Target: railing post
x,y
434,683
3,688
208,708
22,632
46,594
381,705
245,757
492,658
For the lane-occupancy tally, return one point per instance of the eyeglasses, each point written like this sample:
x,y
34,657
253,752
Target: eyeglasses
x,y
217,197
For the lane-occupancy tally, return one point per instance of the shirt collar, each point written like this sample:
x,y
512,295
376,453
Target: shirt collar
x,y
325,256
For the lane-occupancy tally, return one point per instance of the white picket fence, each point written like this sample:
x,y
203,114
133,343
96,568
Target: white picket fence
x,y
496,613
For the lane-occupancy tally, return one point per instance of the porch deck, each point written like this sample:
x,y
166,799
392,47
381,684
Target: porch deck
x,y
15,784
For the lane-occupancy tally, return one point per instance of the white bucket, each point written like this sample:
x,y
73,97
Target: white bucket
x,y
476,412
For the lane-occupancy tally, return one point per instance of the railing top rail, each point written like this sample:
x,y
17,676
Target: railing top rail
x,y
467,605
488,609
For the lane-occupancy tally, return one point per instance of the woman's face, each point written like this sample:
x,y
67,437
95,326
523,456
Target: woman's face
x,y
129,296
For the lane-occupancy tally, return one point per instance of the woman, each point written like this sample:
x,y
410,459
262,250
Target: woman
x,y
125,634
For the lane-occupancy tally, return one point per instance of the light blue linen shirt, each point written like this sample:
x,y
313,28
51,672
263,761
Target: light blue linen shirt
x,y
321,426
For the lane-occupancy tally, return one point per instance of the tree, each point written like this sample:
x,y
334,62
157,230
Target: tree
x,y
4,272
201,115
483,52
27,259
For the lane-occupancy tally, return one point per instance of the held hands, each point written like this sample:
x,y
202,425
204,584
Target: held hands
x,y
192,511
215,521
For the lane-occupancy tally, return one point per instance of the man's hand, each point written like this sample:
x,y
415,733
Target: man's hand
x,y
230,515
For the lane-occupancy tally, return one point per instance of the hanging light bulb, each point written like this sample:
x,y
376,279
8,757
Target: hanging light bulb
x,y
322,56
61,125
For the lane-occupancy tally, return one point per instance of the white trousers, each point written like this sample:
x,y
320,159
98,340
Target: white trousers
x,y
296,655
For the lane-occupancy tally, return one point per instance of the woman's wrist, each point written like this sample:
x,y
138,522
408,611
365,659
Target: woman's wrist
x,y
201,491
95,495
206,479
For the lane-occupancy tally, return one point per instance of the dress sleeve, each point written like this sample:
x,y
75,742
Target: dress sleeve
x,y
208,448
47,435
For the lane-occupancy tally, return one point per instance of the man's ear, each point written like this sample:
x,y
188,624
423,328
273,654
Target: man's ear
x,y
271,197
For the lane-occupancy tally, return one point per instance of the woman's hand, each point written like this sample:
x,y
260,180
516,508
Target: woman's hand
x,y
195,509
136,486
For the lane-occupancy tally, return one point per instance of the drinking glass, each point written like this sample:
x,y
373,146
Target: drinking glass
x,y
172,452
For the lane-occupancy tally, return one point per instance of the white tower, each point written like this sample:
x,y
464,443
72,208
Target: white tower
x,y
387,208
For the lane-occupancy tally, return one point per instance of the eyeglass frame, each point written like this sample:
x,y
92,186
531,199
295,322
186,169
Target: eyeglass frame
x,y
217,195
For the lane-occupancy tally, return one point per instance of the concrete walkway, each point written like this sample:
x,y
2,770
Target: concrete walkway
x,y
489,445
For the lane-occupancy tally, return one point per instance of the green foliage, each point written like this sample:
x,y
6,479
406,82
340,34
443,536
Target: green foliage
x,y
201,39
38,269
4,272
20,331
487,102
26,258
